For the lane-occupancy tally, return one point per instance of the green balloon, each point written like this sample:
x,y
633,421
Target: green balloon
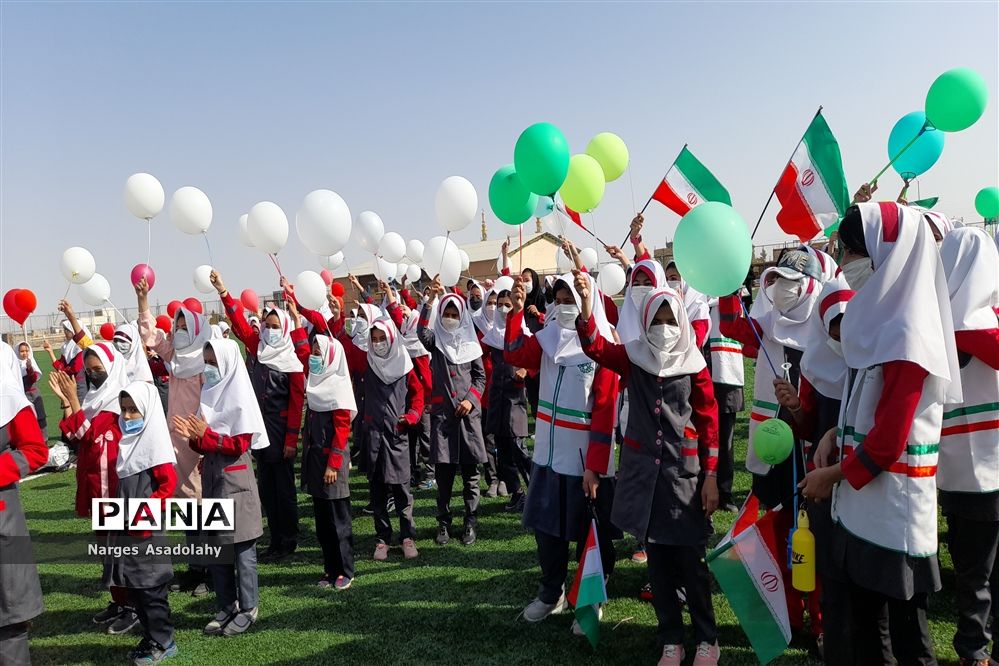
x,y
773,441
510,200
956,100
713,249
584,185
987,202
609,150
541,157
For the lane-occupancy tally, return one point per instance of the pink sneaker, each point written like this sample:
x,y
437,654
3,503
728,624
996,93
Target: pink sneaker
x,y
409,549
707,654
672,655
381,552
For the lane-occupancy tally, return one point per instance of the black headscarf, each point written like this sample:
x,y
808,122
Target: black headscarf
x,y
537,295
851,232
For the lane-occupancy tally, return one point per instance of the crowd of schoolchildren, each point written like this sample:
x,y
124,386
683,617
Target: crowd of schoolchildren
x,y
887,357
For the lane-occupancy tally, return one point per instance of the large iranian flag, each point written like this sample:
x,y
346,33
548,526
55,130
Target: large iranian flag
x,y
688,184
812,190
746,564
588,590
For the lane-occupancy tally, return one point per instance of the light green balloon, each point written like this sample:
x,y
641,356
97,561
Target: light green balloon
x,y
957,99
773,441
609,150
713,249
584,184
987,202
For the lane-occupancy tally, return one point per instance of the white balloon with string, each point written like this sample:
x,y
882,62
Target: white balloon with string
x,y
588,256
244,233
268,227
464,259
384,270
323,223
414,250
77,265
456,203
191,210
331,262
611,279
203,279
392,247
413,273
95,291
144,196
368,231
400,270
310,290
440,257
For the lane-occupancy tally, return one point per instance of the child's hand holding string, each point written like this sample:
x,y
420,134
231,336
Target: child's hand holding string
x,y
216,279
518,295
582,284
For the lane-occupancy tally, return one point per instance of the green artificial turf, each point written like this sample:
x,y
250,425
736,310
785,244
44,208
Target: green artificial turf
x,y
453,604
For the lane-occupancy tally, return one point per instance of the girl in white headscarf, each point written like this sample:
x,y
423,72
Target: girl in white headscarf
x,y
31,374
77,338
127,341
898,341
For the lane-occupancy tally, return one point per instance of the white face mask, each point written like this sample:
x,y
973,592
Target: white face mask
x,y
664,336
785,294
857,272
181,339
836,346
528,287
358,327
450,325
566,315
489,311
506,309
123,347
272,336
675,285
638,293
381,349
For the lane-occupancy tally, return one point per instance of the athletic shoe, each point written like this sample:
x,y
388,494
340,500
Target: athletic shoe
x,y
381,551
645,594
282,552
324,582
124,623
428,484
672,655
538,610
492,489
578,631
342,582
501,490
728,507
109,614
155,654
516,503
640,556
201,589
974,662
240,623
442,535
222,618
468,538
707,654
140,649
409,549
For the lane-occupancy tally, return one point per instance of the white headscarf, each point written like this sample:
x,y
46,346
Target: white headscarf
x,y
410,338
371,313
136,363
971,263
562,345
495,335
282,356
230,407
105,397
903,313
190,361
216,332
821,365
459,347
69,348
793,328
685,358
151,446
24,362
396,363
629,325
943,224
331,389
224,327
12,398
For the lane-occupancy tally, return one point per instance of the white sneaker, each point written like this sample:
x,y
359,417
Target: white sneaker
x,y
578,631
538,610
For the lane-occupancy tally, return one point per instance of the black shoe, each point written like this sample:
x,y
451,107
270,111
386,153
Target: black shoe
x,y
155,654
187,581
124,623
140,649
728,507
283,552
516,503
442,535
109,614
468,538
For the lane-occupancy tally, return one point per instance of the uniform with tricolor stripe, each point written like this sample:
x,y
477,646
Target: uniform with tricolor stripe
x,y
969,438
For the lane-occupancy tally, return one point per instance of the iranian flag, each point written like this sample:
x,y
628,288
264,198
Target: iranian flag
x,y
812,190
588,590
687,184
746,564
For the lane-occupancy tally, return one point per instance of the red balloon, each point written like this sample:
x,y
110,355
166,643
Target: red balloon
x,y
107,330
11,308
193,304
164,323
140,271
172,308
327,276
25,300
337,289
249,300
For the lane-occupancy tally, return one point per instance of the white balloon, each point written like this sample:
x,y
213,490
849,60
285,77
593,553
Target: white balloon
x,y
78,265
331,262
464,259
384,270
95,291
503,283
456,203
414,250
310,290
440,257
392,247
563,263
589,257
611,279
190,210
144,196
400,270
244,232
369,230
268,227
413,273
323,223
203,279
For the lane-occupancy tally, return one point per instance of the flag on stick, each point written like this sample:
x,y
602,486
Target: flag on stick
x,y
687,184
588,590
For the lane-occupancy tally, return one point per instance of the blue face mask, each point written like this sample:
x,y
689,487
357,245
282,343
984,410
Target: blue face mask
x,y
272,336
212,375
315,364
134,426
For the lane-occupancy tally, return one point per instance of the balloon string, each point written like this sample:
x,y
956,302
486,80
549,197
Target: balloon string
x,y
520,248
68,287
763,347
124,319
211,260
149,239
24,332
447,237
277,266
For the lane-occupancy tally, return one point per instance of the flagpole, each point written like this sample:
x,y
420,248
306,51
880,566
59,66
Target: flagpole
x,y
926,126
774,190
642,212
595,237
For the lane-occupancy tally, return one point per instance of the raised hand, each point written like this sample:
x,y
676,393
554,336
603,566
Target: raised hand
x,y
216,279
296,319
636,226
865,193
582,284
518,295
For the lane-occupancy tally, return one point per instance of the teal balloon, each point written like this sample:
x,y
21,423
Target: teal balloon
x,y
509,198
922,154
541,158
712,249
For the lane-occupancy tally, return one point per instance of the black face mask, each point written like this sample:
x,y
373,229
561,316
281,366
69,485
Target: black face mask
x,y
475,302
97,378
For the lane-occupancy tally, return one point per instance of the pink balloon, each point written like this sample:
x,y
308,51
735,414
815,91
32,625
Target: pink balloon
x,y
140,271
327,276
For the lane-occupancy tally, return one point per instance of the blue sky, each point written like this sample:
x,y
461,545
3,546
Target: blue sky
x,y
380,102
